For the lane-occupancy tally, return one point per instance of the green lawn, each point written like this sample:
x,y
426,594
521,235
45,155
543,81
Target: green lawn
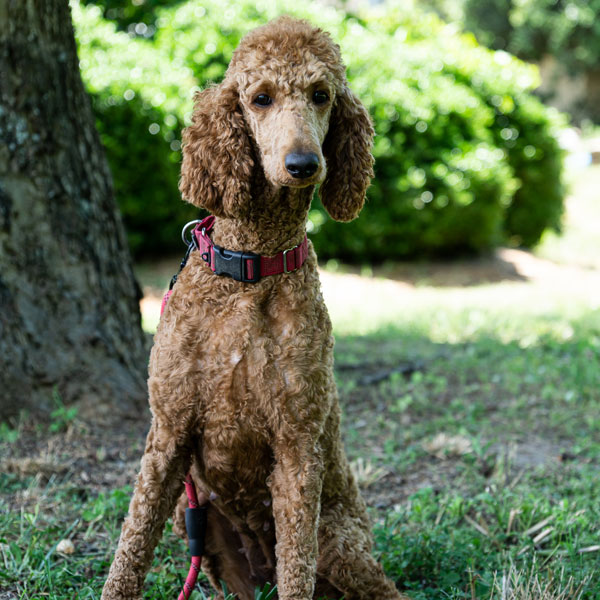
x,y
471,412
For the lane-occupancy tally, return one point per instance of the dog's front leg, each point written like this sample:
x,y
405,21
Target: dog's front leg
x,y
296,484
159,484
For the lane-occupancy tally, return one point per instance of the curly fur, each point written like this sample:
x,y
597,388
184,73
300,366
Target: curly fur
x,y
241,375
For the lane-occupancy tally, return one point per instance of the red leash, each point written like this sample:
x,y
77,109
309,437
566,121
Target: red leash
x,y
195,515
195,524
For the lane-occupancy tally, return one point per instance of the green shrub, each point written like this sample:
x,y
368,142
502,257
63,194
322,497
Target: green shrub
x,y
135,96
536,159
441,185
146,172
465,156
525,130
566,29
129,13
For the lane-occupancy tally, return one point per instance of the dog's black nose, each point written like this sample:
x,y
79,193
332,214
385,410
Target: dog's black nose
x,y
301,166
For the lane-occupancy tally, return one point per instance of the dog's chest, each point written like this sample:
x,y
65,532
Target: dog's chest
x,y
264,351
271,373
259,372
235,453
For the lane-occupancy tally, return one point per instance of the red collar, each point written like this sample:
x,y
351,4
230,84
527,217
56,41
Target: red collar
x,y
245,266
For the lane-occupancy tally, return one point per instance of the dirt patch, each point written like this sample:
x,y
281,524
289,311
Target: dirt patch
x,y
103,454
94,455
102,457
393,489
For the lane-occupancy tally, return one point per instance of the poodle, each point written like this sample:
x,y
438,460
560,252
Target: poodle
x,y
241,379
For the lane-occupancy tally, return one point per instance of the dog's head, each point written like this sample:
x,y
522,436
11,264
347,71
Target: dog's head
x,y
284,106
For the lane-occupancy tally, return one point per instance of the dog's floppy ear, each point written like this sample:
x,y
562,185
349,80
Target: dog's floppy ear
x,y
217,155
347,150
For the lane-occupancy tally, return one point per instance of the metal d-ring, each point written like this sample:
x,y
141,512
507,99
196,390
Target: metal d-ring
x,y
285,266
184,231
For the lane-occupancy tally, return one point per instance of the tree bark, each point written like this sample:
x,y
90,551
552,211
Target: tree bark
x,y
69,312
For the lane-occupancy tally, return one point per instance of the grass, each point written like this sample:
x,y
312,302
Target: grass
x,y
30,565
471,414
455,543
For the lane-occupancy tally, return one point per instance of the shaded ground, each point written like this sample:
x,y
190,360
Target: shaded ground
x,y
96,455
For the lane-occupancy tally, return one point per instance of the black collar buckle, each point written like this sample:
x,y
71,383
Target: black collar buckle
x,y
234,264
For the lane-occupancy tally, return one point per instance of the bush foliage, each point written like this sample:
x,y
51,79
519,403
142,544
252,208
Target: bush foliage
x,y
466,156
566,29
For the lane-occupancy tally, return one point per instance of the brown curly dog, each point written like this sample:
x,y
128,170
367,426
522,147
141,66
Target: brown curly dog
x,y
241,374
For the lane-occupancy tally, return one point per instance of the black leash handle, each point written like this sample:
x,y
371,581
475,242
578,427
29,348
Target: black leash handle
x,y
195,526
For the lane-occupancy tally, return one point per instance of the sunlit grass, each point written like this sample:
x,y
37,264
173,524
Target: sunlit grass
x,y
580,242
508,310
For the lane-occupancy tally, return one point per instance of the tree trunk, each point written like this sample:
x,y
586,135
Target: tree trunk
x,y
69,313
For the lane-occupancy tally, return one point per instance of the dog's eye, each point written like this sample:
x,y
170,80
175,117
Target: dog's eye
x,y
263,100
320,97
